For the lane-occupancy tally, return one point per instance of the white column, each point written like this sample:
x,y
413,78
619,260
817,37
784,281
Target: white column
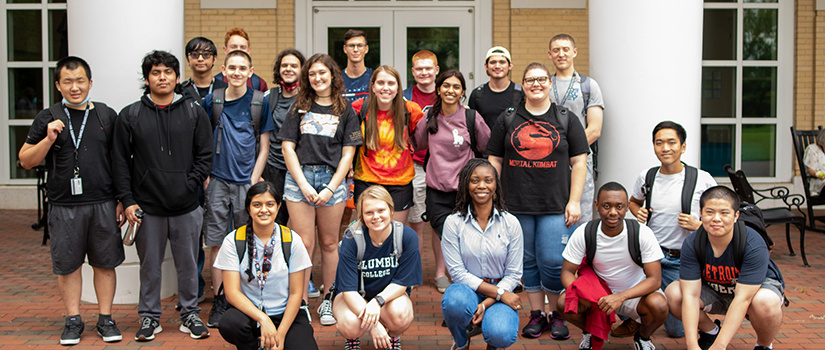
x,y
114,36
647,57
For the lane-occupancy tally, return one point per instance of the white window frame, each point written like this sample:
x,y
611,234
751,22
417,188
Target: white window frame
x,y
784,87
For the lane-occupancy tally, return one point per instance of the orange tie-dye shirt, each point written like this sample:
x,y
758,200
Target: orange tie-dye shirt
x,y
388,165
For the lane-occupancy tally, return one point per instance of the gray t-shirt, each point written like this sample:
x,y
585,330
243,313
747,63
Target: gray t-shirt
x,y
562,94
276,156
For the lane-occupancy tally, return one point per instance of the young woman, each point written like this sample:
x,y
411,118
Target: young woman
x,y
389,268
264,291
815,164
447,136
385,159
483,250
319,137
534,151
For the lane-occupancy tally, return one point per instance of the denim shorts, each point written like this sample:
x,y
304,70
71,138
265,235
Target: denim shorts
x,y
317,176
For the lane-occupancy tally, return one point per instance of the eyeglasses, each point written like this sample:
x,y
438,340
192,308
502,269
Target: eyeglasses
x,y
206,55
533,80
356,46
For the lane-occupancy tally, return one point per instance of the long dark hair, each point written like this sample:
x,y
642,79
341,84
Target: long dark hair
x,y
463,199
398,112
432,123
254,190
306,95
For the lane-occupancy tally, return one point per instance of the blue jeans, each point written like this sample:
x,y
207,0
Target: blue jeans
x,y
499,325
545,237
670,273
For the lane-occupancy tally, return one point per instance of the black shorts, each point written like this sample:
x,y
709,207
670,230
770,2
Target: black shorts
x,y
402,196
80,230
440,204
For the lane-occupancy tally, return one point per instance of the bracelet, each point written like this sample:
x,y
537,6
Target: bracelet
x,y
483,307
327,188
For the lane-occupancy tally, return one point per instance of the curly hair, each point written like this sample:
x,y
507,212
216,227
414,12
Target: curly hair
x,y
306,95
463,200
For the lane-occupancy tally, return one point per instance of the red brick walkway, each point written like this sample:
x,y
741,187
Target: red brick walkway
x,y
31,312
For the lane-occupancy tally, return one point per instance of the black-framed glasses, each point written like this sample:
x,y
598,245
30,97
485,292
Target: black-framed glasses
x,y
206,54
533,80
356,46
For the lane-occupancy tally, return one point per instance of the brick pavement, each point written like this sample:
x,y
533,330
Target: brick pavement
x,y
31,312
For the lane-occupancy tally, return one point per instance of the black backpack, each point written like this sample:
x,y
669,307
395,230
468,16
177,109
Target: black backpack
x,y
633,245
750,216
106,120
470,119
688,187
218,98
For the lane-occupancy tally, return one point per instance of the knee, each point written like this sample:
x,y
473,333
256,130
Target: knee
x,y
657,306
560,303
765,305
500,326
399,315
234,326
674,298
348,325
458,297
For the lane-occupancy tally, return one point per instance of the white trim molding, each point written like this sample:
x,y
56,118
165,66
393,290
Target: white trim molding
x,y
551,4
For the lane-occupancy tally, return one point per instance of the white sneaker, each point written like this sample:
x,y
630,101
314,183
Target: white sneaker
x,y
325,310
585,344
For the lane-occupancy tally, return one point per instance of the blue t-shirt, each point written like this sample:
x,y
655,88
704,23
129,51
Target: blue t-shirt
x,y
721,273
380,267
358,88
236,160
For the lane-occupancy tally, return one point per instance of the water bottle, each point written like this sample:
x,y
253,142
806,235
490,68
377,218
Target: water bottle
x,y
131,231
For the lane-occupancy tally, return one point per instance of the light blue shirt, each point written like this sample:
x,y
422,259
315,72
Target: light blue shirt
x,y
472,255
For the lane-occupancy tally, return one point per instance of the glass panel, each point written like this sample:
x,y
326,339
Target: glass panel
x,y
718,92
17,135
759,92
442,41
759,150
335,47
760,32
763,1
719,35
25,92
58,35
717,148
54,94
24,35
720,0
57,1
23,1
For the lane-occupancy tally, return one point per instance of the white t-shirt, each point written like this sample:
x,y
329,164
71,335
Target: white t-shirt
x,y
612,261
667,204
276,290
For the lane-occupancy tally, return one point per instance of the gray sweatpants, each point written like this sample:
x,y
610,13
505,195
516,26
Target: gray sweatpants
x,y
182,231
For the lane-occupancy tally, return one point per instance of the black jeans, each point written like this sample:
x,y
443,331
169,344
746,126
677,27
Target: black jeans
x,y
240,330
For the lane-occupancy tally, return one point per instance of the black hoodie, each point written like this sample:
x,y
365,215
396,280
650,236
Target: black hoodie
x,y
161,156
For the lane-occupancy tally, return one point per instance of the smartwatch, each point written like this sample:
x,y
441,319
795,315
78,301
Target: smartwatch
x,y
499,293
380,300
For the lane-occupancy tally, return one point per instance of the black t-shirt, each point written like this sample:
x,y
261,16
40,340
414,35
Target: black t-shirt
x,y
536,154
94,159
279,113
320,135
493,103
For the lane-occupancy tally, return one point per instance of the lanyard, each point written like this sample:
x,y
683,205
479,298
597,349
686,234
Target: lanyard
x,y
259,273
76,140
567,93
211,84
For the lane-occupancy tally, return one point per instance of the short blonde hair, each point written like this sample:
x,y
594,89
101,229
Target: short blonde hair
x,y
373,192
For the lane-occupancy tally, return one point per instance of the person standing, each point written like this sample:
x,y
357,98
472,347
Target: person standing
x,y
201,55
356,74
497,95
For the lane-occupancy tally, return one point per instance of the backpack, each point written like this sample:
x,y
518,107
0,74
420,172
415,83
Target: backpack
x,y
190,87
633,245
107,122
218,98
356,230
584,83
286,242
273,95
688,187
470,119
750,216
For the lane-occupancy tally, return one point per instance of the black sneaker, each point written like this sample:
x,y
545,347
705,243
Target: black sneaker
x,y
537,325
148,329
706,340
72,330
639,344
108,331
395,343
352,344
558,330
193,325
219,306
519,288
473,330
760,347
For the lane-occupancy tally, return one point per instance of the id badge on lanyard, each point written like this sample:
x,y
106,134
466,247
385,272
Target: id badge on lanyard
x,y
76,183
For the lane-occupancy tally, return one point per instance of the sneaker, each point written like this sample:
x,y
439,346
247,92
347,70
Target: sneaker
x,y
519,288
325,310
395,344
706,340
585,344
148,329
352,344
72,331
441,284
108,331
313,292
760,347
473,330
558,330
628,328
219,305
537,325
193,325
640,344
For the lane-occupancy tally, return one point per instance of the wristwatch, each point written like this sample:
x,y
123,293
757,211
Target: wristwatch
x,y
380,300
499,293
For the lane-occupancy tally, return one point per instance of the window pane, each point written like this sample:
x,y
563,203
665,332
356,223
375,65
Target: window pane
x,y
23,1
759,92
57,1
24,35
763,1
719,37
54,94
25,92
759,37
720,0
58,35
718,92
717,148
17,135
335,47
759,150
443,42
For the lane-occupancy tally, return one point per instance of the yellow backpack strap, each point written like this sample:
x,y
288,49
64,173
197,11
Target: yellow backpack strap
x,y
240,242
286,243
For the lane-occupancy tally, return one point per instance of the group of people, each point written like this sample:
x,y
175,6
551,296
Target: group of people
x,y
506,183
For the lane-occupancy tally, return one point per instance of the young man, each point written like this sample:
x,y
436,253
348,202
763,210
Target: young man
x,y
570,89
356,74
665,216
238,39
162,153
754,289
499,94
201,54
82,205
634,290
240,157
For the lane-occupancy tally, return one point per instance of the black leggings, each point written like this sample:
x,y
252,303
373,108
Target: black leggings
x,y
240,330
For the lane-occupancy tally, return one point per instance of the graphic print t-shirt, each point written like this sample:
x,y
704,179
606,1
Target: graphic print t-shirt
x,y
536,153
320,134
